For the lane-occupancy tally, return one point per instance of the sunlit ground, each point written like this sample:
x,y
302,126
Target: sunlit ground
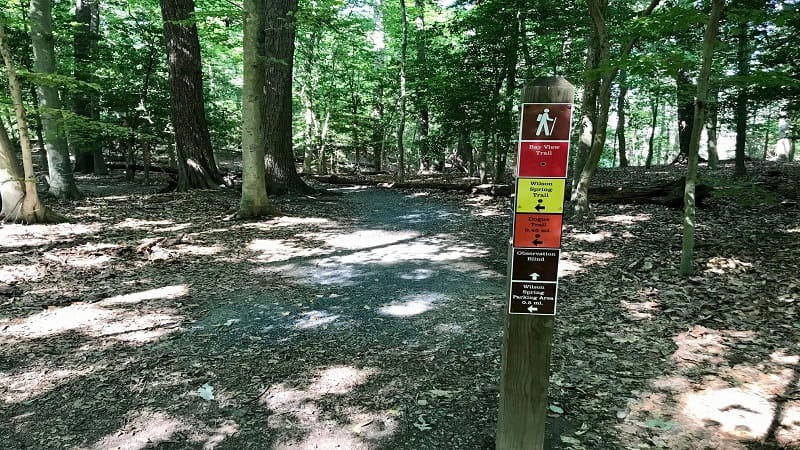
x,y
730,405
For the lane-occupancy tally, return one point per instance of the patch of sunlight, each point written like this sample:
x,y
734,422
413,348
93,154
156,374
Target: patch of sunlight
x,y
699,345
722,265
274,250
412,305
625,219
218,435
362,239
641,309
418,195
315,319
139,224
198,250
296,411
574,262
423,249
590,237
285,221
339,380
146,431
165,293
96,320
84,256
735,411
12,273
15,235
23,386
793,230
417,274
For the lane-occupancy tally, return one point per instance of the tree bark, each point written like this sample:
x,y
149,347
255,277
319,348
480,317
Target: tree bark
x,y
197,168
281,173
254,201
689,216
61,178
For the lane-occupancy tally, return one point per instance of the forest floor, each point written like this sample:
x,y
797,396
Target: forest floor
x,y
370,318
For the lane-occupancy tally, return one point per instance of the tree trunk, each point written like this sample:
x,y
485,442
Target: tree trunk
x,y
12,186
711,127
254,201
378,109
709,40
507,144
401,127
422,71
197,168
685,94
580,208
591,85
623,91
280,30
32,210
61,178
740,112
648,162
86,145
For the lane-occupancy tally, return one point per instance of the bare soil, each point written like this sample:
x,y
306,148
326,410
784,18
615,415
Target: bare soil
x,y
370,318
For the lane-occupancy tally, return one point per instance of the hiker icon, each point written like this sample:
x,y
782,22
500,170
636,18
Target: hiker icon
x,y
543,119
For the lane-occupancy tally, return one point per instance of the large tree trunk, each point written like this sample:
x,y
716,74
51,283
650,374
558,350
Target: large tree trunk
x,y
254,201
280,169
378,109
32,210
591,85
623,92
197,168
507,125
61,178
86,145
709,40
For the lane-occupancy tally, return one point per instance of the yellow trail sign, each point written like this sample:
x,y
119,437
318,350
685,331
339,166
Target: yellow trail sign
x,y
540,195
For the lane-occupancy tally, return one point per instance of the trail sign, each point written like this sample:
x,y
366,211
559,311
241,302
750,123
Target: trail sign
x,y
534,251
540,195
543,159
537,230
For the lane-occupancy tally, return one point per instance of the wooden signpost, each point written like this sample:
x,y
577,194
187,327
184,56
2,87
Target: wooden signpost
x,y
534,251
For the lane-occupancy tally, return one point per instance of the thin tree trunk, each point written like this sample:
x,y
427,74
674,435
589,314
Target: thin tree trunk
x,y
648,162
401,127
61,178
766,134
742,99
709,41
711,127
422,64
623,91
86,145
685,94
12,186
197,168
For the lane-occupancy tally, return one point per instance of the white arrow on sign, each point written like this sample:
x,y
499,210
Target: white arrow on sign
x,y
531,309
534,276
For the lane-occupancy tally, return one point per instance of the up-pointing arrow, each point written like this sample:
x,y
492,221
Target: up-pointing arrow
x,y
534,276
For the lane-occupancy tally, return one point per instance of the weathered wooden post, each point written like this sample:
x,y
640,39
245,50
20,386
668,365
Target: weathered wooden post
x,y
534,251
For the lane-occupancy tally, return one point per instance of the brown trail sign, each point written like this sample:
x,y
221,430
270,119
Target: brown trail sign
x,y
534,250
